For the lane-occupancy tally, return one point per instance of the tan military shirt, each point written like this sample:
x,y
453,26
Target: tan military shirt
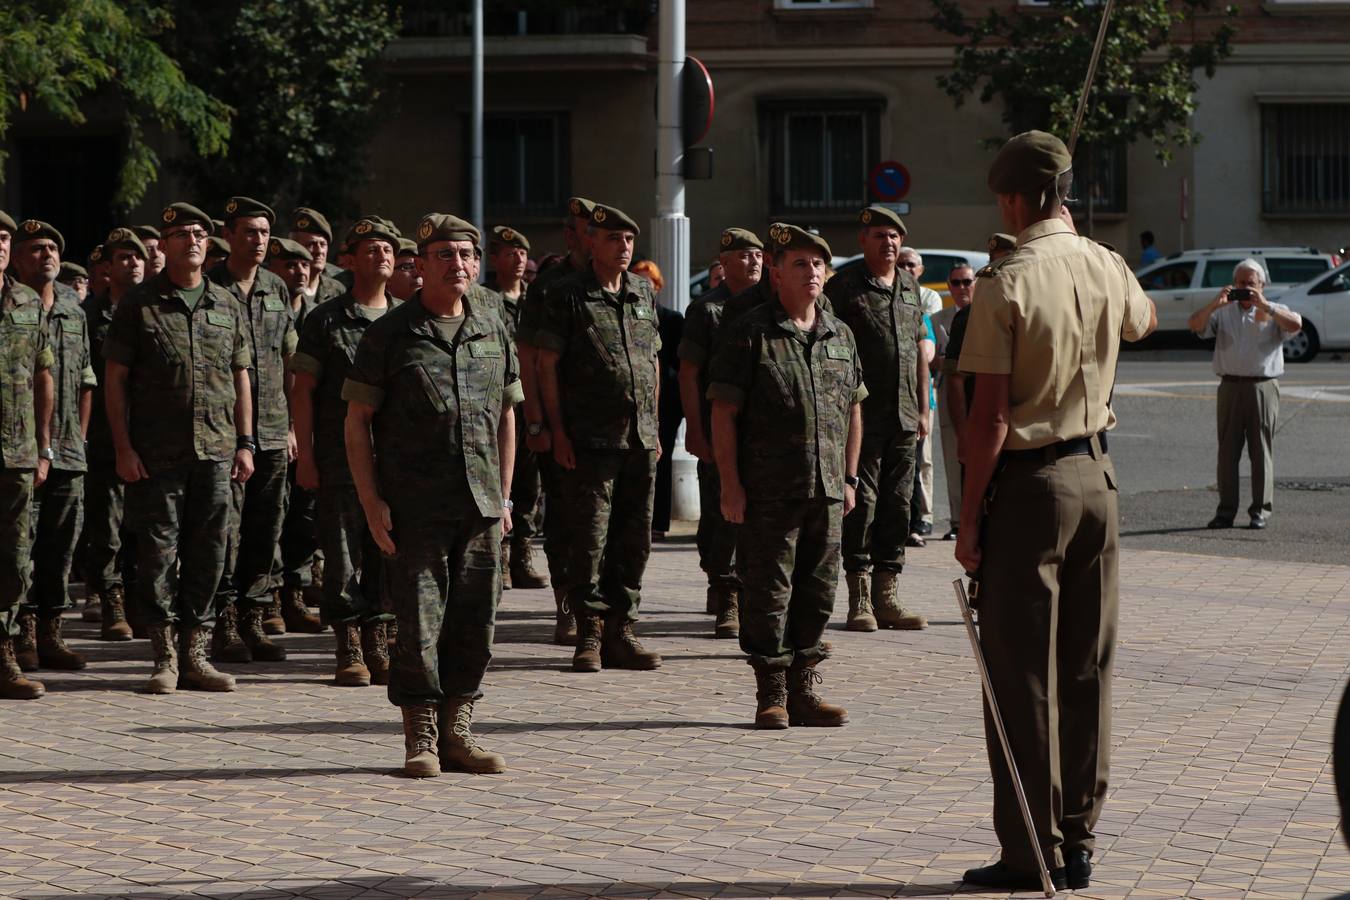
x,y
1051,316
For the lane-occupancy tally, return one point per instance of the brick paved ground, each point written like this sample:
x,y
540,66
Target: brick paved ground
x,y
652,785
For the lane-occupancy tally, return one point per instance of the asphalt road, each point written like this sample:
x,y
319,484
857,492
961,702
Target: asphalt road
x,y
1164,452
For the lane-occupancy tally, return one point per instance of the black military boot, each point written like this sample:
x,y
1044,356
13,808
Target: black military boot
x,y
25,643
298,618
620,648
51,647
770,698
457,747
351,664
114,625
590,635
226,644
523,572
804,705
255,637
375,649
13,686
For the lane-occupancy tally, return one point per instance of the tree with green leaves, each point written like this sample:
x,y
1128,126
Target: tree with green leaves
x,y
57,54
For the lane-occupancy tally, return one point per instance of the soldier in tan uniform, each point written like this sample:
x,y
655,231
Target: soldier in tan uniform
x,y
1039,514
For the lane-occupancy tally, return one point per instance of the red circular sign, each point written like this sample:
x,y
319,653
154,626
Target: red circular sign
x,y
889,181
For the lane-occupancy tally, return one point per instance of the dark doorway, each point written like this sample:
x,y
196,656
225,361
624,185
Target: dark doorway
x,y
69,182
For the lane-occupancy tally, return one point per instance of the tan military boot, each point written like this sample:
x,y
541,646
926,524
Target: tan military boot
x,y
51,647
25,643
298,618
728,615
506,565
458,748
590,635
93,608
804,705
564,624
164,680
273,622
13,686
419,742
770,698
523,572
351,664
251,629
197,673
860,616
115,626
226,644
890,614
375,649
620,648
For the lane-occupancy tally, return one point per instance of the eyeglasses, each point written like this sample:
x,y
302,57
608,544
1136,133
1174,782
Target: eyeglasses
x,y
450,255
964,282
196,235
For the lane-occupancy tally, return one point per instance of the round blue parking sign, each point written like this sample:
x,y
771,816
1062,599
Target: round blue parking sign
x,y
889,181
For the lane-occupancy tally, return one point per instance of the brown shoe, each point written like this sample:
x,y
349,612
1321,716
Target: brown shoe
x,y
728,613
621,649
197,673
298,618
860,614
226,644
273,622
523,572
375,649
804,705
13,686
164,680
890,614
51,647
770,698
251,629
25,643
590,635
351,665
93,608
419,742
564,623
457,748
115,626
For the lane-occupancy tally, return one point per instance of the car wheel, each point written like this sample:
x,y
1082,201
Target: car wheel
x,y
1302,347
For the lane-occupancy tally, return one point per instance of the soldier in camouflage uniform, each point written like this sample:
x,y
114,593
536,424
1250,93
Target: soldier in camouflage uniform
x,y
106,551
180,410
430,441
786,386
58,507
26,402
75,277
407,279
351,595
880,302
599,379
249,581
742,258
311,230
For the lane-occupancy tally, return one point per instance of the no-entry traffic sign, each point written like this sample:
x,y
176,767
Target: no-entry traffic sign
x,y
889,181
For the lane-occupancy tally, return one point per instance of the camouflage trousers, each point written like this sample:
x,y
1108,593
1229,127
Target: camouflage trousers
x,y
875,532
787,554
351,561
716,536
104,511
443,582
58,516
526,487
258,508
16,495
180,518
557,534
299,535
609,508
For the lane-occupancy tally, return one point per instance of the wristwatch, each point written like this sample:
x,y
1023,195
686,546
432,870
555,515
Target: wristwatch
x,y
48,454
852,481
534,429
508,505
246,442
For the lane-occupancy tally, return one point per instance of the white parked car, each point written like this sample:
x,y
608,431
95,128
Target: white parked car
x,y
1324,304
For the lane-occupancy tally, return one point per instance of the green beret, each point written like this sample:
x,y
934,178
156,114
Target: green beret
x,y
125,239
248,208
35,229
880,215
6,223
217,226
217,244
790,237
444,227
285,248
503,234
407,247
95,256
146,232
612,219
70,271
739,239
774,229
388,224
1001,241
311,222
580,206
1028,162
371,228
176,214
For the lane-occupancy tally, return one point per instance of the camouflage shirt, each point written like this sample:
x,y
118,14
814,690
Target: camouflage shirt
x,y
793,391
702,320
26,351
269,330
887,323
98,314
180,390
72,374
326,350
609,368
437,404
532,304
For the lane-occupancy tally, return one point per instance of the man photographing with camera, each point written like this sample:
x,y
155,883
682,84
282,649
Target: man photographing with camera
x,y
1249,332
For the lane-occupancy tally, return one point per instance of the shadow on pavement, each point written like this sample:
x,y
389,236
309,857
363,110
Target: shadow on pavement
x,y
392,726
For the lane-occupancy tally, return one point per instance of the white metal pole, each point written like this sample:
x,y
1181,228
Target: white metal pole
x,y
476,150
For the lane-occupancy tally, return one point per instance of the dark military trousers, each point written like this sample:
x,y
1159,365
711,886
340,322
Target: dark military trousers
x,y
716,536
557,534
299,535
351,560
16,495
58,516
609,504
104,510
1048,611
1248,412
525,487
875,531
180,517
787,554
443,583
258,510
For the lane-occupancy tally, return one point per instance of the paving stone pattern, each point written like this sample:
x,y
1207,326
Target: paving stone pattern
x,y
654,785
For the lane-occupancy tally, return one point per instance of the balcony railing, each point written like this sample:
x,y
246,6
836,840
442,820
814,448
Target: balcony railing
x,y
503,18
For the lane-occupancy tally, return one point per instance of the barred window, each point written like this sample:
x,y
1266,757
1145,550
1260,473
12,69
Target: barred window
x,y
1105,182
526,165
819,156
1305,158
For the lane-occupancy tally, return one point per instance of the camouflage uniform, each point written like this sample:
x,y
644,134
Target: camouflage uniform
x,y
886,322
26,351
180,411
525,484
104,493
438,406
58,506
607,381
351,574
793,392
